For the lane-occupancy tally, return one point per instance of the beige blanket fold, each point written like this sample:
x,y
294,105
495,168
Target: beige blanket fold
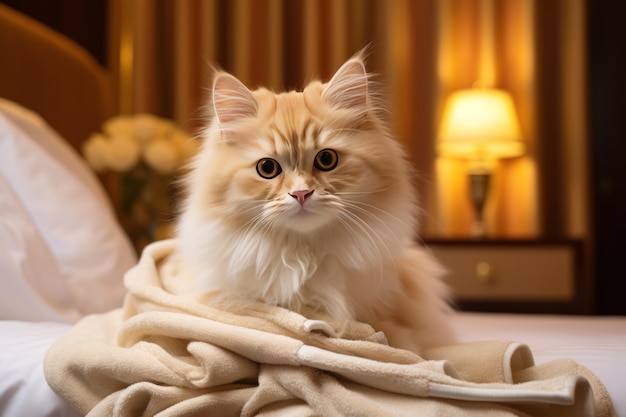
x,y
168,353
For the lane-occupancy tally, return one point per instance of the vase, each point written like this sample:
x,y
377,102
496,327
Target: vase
x,y
147,206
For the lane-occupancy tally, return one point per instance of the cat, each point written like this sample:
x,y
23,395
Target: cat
x,y
304,200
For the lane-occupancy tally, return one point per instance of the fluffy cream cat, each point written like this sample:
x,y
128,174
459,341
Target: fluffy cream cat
x,y
303,200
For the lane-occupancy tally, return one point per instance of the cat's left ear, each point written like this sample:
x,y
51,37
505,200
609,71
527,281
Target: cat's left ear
x,y
348,88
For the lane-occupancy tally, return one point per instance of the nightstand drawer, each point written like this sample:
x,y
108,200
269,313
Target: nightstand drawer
x,y
509,273
518,276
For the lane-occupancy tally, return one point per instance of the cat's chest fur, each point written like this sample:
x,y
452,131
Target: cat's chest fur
x,y
322,270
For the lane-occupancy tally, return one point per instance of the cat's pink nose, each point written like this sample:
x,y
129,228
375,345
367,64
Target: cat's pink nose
x,y
301,195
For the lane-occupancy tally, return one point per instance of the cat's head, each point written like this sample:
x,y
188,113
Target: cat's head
x,y
300,162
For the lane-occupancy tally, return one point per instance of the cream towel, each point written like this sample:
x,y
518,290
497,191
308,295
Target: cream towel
x,y
167,353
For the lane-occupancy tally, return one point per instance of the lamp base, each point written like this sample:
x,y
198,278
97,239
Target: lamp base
x,y
479,190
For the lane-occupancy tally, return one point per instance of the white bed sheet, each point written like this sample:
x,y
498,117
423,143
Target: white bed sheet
x,y
23,387
599,343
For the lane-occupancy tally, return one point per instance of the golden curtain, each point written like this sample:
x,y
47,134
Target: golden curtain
x,y
422,50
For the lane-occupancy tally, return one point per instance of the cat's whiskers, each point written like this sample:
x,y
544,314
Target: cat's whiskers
x,y
357,204
269,278
351,220
241,247
250,205
391,233
390,254
254,225
248,223
362,193
371,215
347,223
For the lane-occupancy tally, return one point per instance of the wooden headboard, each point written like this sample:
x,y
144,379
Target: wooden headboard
x,y
52,75
58,79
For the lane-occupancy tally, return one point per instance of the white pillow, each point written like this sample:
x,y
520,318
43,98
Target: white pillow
x,y
62,253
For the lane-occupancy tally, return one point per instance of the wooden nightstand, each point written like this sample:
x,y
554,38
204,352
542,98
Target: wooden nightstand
x,y
522,276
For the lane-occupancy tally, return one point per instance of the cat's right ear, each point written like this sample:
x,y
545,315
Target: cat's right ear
x,y
232,101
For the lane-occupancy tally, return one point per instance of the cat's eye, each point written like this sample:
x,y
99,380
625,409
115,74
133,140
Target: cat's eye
x,y
268,168
326,160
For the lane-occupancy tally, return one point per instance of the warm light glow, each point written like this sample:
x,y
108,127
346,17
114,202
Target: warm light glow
x,y
480,123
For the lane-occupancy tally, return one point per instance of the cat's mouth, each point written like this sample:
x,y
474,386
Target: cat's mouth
x,y
305,217
304,211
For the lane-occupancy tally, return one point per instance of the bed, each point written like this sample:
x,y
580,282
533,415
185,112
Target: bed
x,y
63,255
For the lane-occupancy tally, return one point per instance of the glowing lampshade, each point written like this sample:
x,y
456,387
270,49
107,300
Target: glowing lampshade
x,y
480,123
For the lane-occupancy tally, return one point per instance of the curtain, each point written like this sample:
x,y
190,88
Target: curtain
x,y
421,51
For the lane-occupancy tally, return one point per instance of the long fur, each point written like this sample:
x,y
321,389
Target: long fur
x,y
348,250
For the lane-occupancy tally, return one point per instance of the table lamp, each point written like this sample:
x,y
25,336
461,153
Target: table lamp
x,y
480,125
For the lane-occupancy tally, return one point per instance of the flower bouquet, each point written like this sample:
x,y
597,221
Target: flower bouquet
x,y
147,152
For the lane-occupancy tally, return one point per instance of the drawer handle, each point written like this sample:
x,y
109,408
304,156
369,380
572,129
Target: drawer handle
x,y
485,272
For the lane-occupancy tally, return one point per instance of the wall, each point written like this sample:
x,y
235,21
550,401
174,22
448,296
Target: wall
x,y
83,21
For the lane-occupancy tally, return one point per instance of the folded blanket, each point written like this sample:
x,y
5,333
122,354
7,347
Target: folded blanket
x,y
169,353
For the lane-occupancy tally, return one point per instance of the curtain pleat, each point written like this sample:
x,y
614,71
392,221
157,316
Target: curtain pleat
x,y
574,106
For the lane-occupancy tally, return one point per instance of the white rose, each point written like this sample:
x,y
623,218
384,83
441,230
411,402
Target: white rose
x,y
162,155
165,127
147,127
187,146
95,150
119,126
123,153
